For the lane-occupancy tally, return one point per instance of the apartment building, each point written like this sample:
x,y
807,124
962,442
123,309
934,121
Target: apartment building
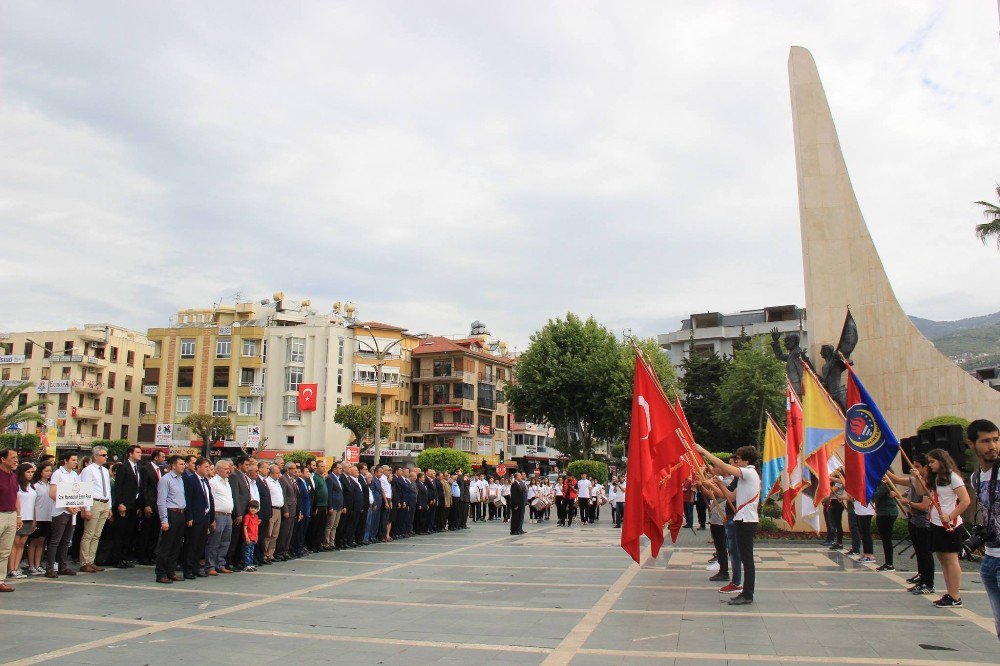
x,y
458,394
91,375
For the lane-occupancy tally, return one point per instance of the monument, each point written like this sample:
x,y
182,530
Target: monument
x,y
911,380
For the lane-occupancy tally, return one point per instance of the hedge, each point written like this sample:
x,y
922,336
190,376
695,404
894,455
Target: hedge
x,y
26,443
900,530
595,469
444,459
771,509
944,420
116,447
300,457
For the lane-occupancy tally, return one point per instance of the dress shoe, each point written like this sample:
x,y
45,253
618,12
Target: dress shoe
x,y
4,587
123,565
51,574
199,574
224,570
67,572
740,601
176,578
88,568
165,580
212,572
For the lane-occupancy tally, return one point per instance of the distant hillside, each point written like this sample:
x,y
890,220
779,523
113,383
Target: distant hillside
x,y
936,329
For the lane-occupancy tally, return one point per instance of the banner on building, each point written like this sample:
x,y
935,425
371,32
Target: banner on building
x,y
253,436
164,434
352,454
307,397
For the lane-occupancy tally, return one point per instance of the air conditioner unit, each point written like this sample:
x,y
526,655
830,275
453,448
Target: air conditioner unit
x,y
231,410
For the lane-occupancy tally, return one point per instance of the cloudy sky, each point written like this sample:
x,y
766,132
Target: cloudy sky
x,y
439,162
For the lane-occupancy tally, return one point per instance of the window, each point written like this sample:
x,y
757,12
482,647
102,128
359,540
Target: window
x,y
48,349
183,406
442,368
185,377
27,349
340,352
247,376
295,350
465,417
109,405
250,347
128,382
187,348
468,444
340,380
126,407
113,356
499,422
22,400
438,415
220,406
25,373
111,380
223,347
107,431
440,394
220,377
291,408
263,350
45,373
124,432
484,420
486,397
130,358
465,391
290,439
500,397
5,374
339,402
247,406
293,377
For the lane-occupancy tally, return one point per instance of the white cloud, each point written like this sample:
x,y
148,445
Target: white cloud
x,y
439,163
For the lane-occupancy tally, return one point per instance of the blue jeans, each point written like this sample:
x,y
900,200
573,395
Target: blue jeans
x,y
374,518
989,570
248,553
735,564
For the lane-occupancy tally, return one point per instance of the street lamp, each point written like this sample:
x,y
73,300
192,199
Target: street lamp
x,y
380,357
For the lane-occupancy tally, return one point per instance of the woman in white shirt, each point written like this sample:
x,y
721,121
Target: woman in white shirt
x,y
505,498
43,518
598,497
26,496
864,514
745,499
949,499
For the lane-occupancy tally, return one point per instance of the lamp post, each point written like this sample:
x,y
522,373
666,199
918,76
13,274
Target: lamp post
x,y
380,357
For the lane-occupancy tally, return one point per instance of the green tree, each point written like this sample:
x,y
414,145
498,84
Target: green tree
x,y
989,230
359,419
595,469
209,428
300,457
116,447
703,372
753,383
11,412
444,460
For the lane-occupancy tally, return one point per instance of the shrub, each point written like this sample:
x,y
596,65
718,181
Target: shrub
x,y
724,456
900,530
300,457
24,443
116,447
595,469
771,509
443,459
944,420
767,525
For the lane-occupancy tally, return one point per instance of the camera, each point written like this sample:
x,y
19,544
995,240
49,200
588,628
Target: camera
x,y
979,536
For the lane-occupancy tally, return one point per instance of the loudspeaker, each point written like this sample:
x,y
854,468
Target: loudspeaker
x,y
926,440
911,447
951,438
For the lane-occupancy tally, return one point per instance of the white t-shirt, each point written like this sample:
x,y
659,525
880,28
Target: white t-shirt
x,y
62,476
947,498
863,509
474,491
747,495
617,492
27,498
583,488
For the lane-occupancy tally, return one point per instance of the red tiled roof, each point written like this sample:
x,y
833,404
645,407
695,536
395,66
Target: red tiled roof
x,y
439,345
379,325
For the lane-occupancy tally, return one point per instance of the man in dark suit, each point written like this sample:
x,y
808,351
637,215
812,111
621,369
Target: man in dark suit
x,y
149,475
466,500
518,500
199,516
335,506
399,504
126,501
359,521
430,525
345,533
423,505
265,511
240,485
375,510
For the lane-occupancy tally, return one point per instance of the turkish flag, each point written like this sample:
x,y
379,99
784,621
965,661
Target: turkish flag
x,y
307,397
794,437
654,455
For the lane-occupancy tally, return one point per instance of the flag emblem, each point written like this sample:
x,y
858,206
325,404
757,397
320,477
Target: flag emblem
x,y
863,433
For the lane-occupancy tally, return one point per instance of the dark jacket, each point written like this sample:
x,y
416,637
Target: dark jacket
x,y
196,504
423,501
431,490
376,487
410,492
441,490
290,489
266,510
305,498
150,480
241,493
463,484
125,488
334,492
350,490
398,492
518,495
362,501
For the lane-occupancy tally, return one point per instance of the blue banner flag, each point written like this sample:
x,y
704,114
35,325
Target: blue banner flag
x,y
871,444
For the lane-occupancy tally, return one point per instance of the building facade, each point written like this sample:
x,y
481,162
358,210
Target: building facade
x,y
715,331
369,339
458,396
92,376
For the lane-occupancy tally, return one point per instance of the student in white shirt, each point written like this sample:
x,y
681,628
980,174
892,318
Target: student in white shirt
x,y
583,487
26,501
597,498
745,499
63,519
617,499
950,499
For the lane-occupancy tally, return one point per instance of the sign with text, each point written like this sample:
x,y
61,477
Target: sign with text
x,y
352,454
164,434
253,436
74,494
12,358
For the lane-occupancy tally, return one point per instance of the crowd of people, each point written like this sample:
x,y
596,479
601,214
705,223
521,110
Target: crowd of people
x,y
190,518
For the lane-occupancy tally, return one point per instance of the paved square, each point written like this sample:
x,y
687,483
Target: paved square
x,y
553,596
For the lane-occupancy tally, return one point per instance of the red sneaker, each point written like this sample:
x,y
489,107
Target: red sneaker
x,y
730,588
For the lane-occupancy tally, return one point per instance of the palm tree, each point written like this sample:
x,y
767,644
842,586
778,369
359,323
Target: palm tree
x,y
11,413
991,229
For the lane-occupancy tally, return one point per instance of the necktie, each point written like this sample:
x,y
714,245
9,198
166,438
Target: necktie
x,y
135,472
204,489
104,483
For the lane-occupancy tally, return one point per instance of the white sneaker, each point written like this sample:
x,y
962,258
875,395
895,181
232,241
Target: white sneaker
x,y
36,571
714,566
17,573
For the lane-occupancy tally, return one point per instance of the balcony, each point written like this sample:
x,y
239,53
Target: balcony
x,y
373,383
370,355
147,418
90,388
428,375
87,361
85,414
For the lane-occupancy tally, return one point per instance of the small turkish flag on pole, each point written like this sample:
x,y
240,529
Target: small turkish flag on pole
x,y
307,397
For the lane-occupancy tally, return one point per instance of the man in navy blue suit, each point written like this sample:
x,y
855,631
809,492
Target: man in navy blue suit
x,y
199,514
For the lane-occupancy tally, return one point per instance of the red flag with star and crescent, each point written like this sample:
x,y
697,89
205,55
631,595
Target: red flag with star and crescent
x,y
307,397
655,467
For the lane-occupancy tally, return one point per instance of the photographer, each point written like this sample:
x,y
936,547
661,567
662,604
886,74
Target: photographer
x,y
984,439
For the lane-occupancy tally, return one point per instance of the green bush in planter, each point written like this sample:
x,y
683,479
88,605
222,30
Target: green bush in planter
x,y
595,469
